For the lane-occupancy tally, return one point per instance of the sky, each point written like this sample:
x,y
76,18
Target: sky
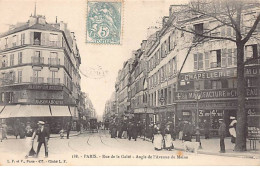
x,y
137,16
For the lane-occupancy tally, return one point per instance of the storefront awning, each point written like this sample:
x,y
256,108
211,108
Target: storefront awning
x,y
32,111
74,112
9,110
60,111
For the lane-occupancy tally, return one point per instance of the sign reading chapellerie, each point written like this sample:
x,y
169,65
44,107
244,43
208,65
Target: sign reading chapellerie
x,y
49,101
44,87
219,73
213,94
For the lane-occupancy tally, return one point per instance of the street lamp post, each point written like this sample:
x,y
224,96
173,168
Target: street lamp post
x,y
197,97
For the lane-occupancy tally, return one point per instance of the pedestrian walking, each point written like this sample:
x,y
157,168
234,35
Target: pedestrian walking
x,y
4,131
206,129
222,135
1,131
22,131
61,133
17,125
43,137
30,135
134,131
232,129
119,130
158,138
113,130
187,131
168,138
68,129
180,127
124,129
129,130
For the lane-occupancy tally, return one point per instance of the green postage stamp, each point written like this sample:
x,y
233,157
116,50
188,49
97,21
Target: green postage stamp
x,y
104,22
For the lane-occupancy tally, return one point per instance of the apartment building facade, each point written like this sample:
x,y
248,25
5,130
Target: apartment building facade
x,y
39,71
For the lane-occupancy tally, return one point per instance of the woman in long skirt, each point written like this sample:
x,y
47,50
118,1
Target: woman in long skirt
x,y
168,138
158,139
30,135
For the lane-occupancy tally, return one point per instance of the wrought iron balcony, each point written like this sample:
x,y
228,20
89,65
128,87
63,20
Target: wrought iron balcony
x,y
54,62
53,80
37,60
37,80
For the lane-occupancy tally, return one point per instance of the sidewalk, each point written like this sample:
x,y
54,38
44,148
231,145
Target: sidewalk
x,y
211,147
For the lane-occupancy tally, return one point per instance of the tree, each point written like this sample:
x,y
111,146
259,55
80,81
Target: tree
x,y
226,13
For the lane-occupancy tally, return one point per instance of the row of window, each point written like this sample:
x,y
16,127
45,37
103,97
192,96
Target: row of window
x,y
163,74
37,58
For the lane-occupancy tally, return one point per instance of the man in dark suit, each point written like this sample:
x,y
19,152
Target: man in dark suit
x,y
222,135
43,137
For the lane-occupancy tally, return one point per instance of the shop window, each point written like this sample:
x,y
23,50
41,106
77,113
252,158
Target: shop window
x,y
199,85
215,58
232,83
251,51
224,83
207,84
253,82
216,84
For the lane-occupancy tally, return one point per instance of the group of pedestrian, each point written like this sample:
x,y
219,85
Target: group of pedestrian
x,y
222,132
161,135
42,132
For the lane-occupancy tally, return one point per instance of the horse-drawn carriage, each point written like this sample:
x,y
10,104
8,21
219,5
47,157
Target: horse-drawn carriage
x,y
93,125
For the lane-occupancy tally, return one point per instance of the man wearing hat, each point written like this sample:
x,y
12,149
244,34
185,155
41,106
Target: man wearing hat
x,y
43,136
232,129
222,135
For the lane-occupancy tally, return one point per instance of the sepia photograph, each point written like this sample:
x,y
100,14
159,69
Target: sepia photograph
x,y
129,83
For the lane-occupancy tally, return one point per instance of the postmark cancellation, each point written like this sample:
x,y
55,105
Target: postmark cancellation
x,y
104,21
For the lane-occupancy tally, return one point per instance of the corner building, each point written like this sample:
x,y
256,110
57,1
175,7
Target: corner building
x,y
39,73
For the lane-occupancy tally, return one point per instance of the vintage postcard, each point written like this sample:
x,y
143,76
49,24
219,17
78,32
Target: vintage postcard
x,y
129,82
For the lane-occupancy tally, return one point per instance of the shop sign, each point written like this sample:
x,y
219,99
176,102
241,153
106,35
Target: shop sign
x,y
254,133
220,73
49,101
44,87
214,94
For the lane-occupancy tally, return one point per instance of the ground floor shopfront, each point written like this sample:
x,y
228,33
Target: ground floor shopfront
x,y
56,116
212,111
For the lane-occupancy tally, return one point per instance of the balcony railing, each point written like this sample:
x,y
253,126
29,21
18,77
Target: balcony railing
x,y
53,62
53,80
37,79
37,60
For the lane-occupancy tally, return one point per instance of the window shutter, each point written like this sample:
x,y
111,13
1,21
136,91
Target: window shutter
x,y
224,58
31,37
43,38
200,61
47,39
195,61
